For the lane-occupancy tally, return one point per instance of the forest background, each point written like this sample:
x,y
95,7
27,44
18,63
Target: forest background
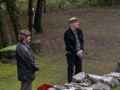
x,y
99,20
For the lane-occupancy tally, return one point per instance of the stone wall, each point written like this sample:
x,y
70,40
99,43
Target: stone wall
x,y
85,81
9,56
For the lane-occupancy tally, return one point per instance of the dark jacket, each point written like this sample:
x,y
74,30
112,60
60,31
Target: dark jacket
x,y
118,70
70,40
26,64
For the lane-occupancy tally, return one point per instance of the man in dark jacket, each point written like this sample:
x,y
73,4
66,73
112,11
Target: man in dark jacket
x,y
73,38
118,68
26,64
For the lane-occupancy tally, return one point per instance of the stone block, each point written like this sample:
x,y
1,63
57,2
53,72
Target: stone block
x,y
85,84
100,86
52,89
59,87
111,81
95,78
87,88
73,85
35,45
113,74
79,77
67,85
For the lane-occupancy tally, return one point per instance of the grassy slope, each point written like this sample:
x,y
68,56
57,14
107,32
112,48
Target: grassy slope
x,y
102,47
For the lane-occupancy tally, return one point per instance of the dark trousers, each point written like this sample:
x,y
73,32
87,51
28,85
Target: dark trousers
x,y
73,60
26,86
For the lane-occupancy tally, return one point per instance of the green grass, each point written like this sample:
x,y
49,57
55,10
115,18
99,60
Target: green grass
x,y
101,31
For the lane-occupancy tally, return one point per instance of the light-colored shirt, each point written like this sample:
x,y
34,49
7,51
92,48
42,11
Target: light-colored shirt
x,y
77,40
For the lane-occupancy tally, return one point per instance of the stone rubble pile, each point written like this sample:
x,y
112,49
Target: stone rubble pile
x,y
85,81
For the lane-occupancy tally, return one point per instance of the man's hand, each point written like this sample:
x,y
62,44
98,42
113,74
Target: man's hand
x,y
79,53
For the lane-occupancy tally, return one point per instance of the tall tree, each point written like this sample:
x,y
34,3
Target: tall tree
x,y
4,30
38,17
31,17
14,16
44,6
113,2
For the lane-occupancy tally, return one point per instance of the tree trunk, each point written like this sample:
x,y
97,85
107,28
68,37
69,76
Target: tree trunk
x,y
113,2
31,17
44,6
4,30
14,16
38,17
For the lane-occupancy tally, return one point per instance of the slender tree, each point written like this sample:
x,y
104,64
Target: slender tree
x,y
44,6
14,16
113,2
4,30
38,17
31,17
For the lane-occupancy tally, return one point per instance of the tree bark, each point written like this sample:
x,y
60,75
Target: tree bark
x,y
5,34
44,6
14,16
31,17
38,17
113,2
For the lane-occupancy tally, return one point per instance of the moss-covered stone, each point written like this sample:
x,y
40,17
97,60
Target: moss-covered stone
x,y
12,47
35,45
8,54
